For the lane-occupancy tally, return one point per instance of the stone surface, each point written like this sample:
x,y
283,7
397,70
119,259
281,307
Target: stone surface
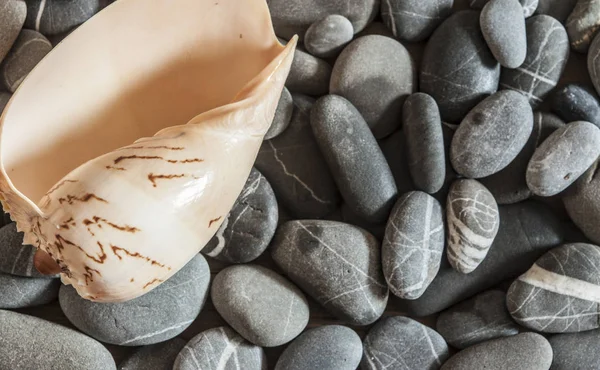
x,y
414,20
559,9
402,340
559,293
296,169
547,55
395,152
283,115
338,264
219,349
414,241
582,202
261,305
157,316
594,63
349,217
12,17
327,37
477,320
576,103
18,292
249,226
422,126
51,17
308,74
376,74
583,24
17,259
458,70
4,98
526,351
575,350
354,158
529,6
329,347
491,135
563,157
160,356
503,28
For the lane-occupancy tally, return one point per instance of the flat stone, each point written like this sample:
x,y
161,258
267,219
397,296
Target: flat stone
x,y
594,63
27,342
283,115
17,259
358,166
582,202
476,320
329,347
52,17
159,315
12,17
4,98
261,305
526,351
583,24
402,340
558,294
547,55
559,9
503,27
395,152
308,74
338,264
576,103
249,226
413,245
160,356
220,348
529,6
575,350
492,135
376,74
19,292
296,168
327,37
414,20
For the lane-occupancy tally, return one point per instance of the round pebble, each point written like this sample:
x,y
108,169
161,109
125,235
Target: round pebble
x,y
17,259
576,103
27,51
503,27
19,292
328,36
283,115
594,63
52,17
12,17
414,20
308,74
583,24
582,202
160,356
575,350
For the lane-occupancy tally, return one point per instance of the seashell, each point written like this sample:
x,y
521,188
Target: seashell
x,y
141,125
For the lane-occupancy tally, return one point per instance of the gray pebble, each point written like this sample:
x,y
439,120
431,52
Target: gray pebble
x,y
4,98
19,292
338,264
283,115
51,17
157,316
558,9
308,74
593,63
583,24
12,17
376,74
582,202
329,347
328,36
529,6
503,27
262,306
396,154
575,350
17,259
27,51
414,20
160,356
576,103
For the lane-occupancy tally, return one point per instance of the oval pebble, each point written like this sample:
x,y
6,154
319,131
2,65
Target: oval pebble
x,y
19,292
160,356
12,18
593,63
283,115
414,20
582,202
576,103
503,27
52,17
583,24
17,259
328,36
575,350
308,74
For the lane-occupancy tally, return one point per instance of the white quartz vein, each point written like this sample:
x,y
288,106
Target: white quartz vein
x,y
176,326
561,284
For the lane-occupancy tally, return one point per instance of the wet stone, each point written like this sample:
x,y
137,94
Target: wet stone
x,y
414,20
327,37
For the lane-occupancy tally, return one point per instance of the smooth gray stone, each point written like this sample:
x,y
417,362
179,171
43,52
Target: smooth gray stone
x,y
529,6
576,103
4,98
583,24
27,51
261,305
17,259
527,230
422,126
414,20
160,356
526,351
283,115
12,17
594,63
547,55
556,294
296,168
52,17
358,166
159,315
395,152
220,349
327,37
338,264
412,249
308,74
563,157
249,226
492,135
575,350
27,343
559,9
582,202
329,347
19,292
477,320
503,27
401,340
376,74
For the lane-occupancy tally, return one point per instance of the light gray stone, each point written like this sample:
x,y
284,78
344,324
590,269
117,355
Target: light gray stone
x,y
160,356
503,27
328,36
283,115
19,292
582,202
12,17
308,74
27,51
414,20
52,17
583,24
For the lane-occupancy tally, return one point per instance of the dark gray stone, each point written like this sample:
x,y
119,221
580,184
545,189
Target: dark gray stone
x,y
583,24
582,202
261,305
27,51
12,17
339,265
329,347
594,63
4,98
157,316
529,6
575,350
354,158
160,356
51,17
492,135
283,115
19,292
395,152
402,340
559,9
328,36
451,175
17,259
414,20
503,27
308,74
349,217
376,74
576,103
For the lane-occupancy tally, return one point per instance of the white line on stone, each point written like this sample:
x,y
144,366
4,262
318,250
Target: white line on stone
x,y
221,239
176,326
38,18
561,284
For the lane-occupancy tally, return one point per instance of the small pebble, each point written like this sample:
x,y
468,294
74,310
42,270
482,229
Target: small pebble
x,y
582,202
576,103
283,115
529,6
12,17
27,51
414,20
583,24
19,292
395,150
594,63
51,17
308,74
503,27
327,37
160,356
575,350
558,9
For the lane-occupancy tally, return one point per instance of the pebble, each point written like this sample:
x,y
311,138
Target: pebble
x,y
547,55
492,135
576,103
422,126
19,292
261,305
583,24
473,221
28,50
249,226
526,351
476,320
296,169
358,166
220,348
575,350
395,152
458,70
283,115
563,157
414,20
338,264
12,17
558,9
329,347
559,293
413,245
52,17
328,36
582,203
159,315
308,74
4,98
503,27
160,356
376,74
17,259
529,6
593,63
27,343
401,340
